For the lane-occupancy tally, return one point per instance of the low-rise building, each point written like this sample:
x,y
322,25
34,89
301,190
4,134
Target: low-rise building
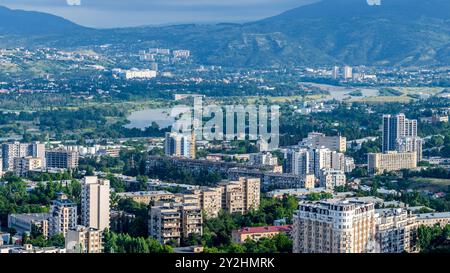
x,y
299,193
435,218
84,240
256,233
146,197
28,248
26,222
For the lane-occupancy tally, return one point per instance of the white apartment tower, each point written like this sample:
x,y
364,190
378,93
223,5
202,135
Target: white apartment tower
x,y
176,144
396,127
334,226
95,198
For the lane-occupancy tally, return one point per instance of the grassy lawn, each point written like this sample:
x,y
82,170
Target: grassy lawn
x,y
432,184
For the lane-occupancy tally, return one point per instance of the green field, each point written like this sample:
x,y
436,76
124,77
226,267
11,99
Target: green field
x,y
432,184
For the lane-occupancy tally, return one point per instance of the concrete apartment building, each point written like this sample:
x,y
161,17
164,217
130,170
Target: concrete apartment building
x,y
63,215
334,226
317,140
24,223
391,161
210,201
409,145
396,127
172,221
256,233
146,197
330,178
176,144
95,198
396,231
61,159
13,150
436,218
241,196
23,165
84,240
306,161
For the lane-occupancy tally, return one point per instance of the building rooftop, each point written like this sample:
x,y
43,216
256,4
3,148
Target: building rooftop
x,y
266,229
297,191
434,215
32,216
142,193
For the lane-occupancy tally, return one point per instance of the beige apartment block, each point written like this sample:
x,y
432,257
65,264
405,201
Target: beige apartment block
x,y
334,226
84,240
391,161
146,197
396,231
173,221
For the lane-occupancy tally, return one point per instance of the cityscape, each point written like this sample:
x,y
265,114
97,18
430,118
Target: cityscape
x,y
134,140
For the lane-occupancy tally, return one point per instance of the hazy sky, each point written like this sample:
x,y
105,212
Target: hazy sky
x,y
121,13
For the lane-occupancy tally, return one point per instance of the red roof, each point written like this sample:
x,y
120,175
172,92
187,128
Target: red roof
x,y
267,229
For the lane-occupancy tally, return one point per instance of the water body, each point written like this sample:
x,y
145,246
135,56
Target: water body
x,y
339,93
142,119
165,117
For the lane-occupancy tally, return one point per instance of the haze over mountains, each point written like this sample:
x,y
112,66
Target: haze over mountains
x,y
399,32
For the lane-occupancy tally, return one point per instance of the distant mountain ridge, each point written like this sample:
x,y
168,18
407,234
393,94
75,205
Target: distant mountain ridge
x,y
19,22
398,32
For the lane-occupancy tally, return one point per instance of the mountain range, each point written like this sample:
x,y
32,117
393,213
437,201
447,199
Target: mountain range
x,y
397,32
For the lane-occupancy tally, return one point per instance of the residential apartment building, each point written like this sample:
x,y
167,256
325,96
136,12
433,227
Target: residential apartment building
x,y
10,151
334,226
318,140
95,198
26,222
173,221
256,233
146,197
63,215
306,161
210,201
61,159
410,145
431,219
23,165
396,231
263,159
180,145
391,161
396,127
241,196
331,178
84,240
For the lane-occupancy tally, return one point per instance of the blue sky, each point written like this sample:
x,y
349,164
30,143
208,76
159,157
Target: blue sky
x,y
122,13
